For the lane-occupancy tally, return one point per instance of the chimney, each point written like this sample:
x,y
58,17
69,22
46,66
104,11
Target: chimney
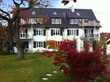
x,y
72,8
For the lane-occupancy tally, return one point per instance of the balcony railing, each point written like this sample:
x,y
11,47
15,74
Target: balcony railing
x,y
90,36
90,23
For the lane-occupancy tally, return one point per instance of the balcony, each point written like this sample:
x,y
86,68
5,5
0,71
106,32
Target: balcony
x,y
90,23
90,37
25,36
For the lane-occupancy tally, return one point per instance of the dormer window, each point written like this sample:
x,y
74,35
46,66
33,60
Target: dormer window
x,y
22,21
86,20
74,21
32,20
39,20
56,20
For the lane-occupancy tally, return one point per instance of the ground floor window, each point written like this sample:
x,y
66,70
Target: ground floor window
x,y
39,44
26,44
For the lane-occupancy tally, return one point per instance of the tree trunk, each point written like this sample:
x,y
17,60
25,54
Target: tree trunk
x,y
19,42
10,37
20,49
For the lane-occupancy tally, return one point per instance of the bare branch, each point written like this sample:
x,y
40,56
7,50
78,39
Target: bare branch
x,y
4,17
18,4
4,12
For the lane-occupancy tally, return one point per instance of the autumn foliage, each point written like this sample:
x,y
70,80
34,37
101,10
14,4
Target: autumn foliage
x,y
3,38
80,66
51,44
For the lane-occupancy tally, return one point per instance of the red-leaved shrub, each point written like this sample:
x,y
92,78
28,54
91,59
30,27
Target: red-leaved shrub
x,y
81,66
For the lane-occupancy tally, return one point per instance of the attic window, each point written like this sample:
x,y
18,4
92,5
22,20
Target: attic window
x,y
77,14
33,12
55,13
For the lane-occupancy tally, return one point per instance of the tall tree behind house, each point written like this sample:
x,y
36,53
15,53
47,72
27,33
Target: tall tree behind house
x,y
14,23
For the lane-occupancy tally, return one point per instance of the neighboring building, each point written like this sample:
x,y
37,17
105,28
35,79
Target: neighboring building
x,y
39,25
106,39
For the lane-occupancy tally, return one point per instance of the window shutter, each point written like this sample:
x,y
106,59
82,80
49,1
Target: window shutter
x,y
77,32
61,32
92,32
34,31
34,44
26,31
44,44
68,32
51,32
44,32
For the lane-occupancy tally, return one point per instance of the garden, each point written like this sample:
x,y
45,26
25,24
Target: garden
x,y
64,65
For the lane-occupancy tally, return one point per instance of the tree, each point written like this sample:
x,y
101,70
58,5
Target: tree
x,y
14,23
81,66
65,2
3,38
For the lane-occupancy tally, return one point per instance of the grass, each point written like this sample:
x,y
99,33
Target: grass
x,y
31,69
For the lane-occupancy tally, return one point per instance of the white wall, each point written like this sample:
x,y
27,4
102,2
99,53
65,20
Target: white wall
x,y
57,37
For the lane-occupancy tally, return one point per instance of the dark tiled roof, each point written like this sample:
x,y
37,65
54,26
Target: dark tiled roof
x,y
56,12
83,14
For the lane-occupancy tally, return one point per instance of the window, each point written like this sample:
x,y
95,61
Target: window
x,y
32,20
89,32
39,44
34,44
26,45
86,20
56,21
73,32
56,32
39,20
22,21
24,33
39,32
74,21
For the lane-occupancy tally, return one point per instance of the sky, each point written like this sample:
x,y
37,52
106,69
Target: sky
x,y
100,8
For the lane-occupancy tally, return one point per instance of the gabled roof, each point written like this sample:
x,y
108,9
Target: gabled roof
x,y
57,12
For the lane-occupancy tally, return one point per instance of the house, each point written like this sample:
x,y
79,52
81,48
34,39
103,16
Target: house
x,y
39,25
105,37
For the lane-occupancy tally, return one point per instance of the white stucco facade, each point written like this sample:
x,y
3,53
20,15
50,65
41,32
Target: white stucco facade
x,y
44,38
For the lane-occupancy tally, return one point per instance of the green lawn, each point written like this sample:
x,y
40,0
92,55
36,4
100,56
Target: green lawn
x,y
31,69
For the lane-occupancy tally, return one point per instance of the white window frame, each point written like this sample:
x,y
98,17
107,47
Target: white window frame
x,y
56,31
32,20
56,21
74,21
38,44
89,32
73,32
22,21
39,32
39,20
